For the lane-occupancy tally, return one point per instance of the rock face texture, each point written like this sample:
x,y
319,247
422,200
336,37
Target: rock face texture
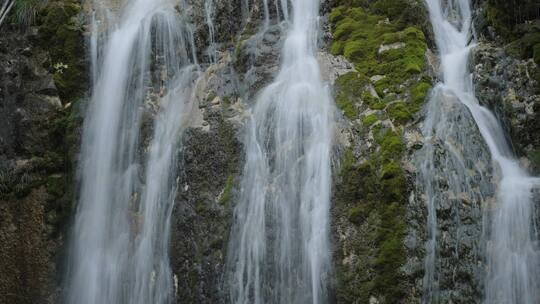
x,y
508,85
38,143
380,59
455,267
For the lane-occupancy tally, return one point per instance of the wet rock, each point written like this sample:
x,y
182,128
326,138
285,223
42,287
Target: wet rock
x,y
459,189
333,66
210,163
394,46
509,87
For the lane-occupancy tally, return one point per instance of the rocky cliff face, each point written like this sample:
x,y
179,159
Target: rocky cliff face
x,y
379,57
506,71
38,140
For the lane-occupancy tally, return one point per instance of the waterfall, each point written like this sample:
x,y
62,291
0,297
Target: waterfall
x,y
209,15
143,62
279,5
513,256
279,247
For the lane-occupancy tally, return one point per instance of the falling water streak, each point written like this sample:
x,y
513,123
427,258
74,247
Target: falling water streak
x,y
209,14
119,249
279,250
281,6
153,281
276,5
451,166
94,48
285,10
513,255
266,15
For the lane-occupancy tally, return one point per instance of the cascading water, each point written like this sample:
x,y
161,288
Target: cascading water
x,y
279,249
513,256
209,15
120,240
455,177
283,4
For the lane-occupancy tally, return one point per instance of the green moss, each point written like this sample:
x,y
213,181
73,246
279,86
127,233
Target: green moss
x,y
226,195
348,88
354,50
377,188
505,16
350,84
393,182
419,93
373,102
495,17
390,143
201,208
358,35
56,185
337,14
61,33
369,120
413,67
359,181
389,280
211,95
525,46
228,100
402,12
345,28
358,214
536,53
399,112
534,156
346,106
348,161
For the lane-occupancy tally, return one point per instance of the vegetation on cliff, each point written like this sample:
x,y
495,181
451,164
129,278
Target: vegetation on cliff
x,y
386,42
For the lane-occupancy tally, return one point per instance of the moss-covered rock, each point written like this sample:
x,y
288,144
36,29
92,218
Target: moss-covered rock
x,y
373,194
506,16
392,53
349,88
61,34
369,120
37,151
385,41
362,37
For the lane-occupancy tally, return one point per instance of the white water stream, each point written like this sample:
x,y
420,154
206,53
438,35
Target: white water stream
x,y
210,16
513,256
279,250
119,250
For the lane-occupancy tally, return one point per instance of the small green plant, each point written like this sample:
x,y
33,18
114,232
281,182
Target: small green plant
x,y
60,67
226,195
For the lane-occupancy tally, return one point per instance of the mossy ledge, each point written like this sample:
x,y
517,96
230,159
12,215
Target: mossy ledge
x,y
386,42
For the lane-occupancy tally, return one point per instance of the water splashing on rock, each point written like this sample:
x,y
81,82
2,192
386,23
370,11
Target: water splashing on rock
x,y
143,63
279,250
512,253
